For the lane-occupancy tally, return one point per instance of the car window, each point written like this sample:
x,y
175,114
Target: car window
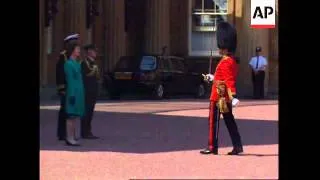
x,y
148,63
177,64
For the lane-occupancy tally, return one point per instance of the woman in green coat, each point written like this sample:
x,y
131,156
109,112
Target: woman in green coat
x,y
74,93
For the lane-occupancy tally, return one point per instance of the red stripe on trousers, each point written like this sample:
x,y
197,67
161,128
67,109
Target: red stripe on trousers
x,y
211,124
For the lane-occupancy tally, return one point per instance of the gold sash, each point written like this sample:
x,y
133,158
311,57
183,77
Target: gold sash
x,y
94,70
222,102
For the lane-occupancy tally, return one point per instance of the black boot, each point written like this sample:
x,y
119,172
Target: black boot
x,y
89,136
61,138
71,143
236,151
208,151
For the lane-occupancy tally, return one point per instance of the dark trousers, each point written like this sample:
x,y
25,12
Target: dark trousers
x,y
214,118
258,84
90,99
61,130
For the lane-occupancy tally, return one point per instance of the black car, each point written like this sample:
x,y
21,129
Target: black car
x,y
154,74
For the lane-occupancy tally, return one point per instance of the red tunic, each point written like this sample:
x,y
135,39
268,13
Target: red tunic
x,y
226,71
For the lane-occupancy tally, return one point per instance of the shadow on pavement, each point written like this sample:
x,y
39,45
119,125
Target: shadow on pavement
x,y
258,155
200,108
150,133
244,102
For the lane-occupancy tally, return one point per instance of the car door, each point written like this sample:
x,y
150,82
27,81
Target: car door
x,y
190,77
165,73
178,73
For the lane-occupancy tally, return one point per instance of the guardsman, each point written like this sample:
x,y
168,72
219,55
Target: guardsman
x,y
91,76
223,93
61,85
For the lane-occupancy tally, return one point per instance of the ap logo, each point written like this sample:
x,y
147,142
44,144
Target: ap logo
x,y
263,13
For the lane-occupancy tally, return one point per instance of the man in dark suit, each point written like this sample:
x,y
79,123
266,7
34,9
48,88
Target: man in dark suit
x,y
90,75
61,85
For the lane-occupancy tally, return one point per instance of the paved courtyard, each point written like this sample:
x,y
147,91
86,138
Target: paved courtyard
x,y
161,140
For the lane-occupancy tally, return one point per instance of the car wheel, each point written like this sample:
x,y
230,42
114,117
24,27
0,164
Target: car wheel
x,y
201,91
159,91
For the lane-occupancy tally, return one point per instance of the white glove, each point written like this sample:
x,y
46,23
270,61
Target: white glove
x,y
208,77
235,102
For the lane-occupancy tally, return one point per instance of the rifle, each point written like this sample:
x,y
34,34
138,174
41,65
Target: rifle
x,y
210,61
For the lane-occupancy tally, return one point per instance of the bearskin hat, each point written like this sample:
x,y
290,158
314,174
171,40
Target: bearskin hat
x,y
226,37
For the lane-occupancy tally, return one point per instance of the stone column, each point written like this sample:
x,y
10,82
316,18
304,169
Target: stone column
x,y
115,34
97,33
179,29
231,11
41,24
157,26
59,28
55,34
89,35
75,19
274,59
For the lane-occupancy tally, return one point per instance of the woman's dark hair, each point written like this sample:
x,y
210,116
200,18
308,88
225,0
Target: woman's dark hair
x,y
70,48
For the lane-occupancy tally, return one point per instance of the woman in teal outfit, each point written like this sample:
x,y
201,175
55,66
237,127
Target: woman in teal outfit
x,y
74,93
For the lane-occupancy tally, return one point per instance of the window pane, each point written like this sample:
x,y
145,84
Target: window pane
x,y
203,41
208,4
197,4
204,24
221,6
148,63
217,6
213,13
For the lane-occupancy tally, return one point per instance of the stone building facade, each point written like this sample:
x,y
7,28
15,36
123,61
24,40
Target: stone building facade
x,y
186,27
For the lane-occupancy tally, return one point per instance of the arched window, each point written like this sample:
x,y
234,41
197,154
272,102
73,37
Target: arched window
x,y
205,16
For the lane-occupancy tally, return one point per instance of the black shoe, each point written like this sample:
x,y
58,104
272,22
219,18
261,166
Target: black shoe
x,y
90,137
61,138
208,151
236,151
71,144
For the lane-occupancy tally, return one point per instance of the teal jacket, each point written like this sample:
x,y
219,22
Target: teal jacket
x,y
75,101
